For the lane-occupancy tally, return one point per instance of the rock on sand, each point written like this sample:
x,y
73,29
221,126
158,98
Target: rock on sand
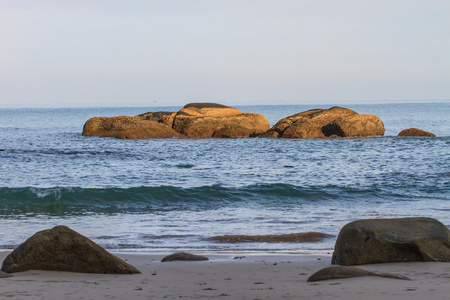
x,y
62,249
392,240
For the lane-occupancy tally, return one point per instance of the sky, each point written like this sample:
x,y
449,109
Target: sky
x,y
95,53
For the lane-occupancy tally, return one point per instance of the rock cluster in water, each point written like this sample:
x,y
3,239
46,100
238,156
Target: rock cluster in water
x,y
209,120
392,240
63,249
321,123
195,120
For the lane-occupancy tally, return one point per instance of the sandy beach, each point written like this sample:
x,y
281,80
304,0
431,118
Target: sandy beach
x,y
231,276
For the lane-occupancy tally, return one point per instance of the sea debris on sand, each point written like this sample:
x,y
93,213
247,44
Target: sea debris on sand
x,y
341,272
302,237
184,256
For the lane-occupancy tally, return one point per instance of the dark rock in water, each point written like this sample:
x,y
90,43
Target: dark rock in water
x,y
392,240
415,132
326,123
124,127
302,237
183,256
62,249
4,275
206,120
340,272
205,105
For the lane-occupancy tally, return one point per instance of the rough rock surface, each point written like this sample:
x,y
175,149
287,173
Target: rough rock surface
x,y
206,120
183,256
163,117
125,127
415,132
322,123
392,240
340,272
62,249
195,120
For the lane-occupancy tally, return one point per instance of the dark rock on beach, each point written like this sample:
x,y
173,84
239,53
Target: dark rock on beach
x,y
415,132
62,249
392,240
184,256
195,120
327,123
341,272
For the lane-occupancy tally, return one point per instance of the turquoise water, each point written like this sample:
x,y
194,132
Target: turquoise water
x,y
158,195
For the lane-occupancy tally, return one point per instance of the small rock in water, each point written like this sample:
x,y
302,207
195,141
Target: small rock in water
x,y
415,132
183,256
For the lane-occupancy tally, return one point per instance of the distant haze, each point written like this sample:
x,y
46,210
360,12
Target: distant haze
x,y
171,52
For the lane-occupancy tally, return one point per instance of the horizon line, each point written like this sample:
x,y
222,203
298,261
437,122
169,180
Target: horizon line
x,y
336,103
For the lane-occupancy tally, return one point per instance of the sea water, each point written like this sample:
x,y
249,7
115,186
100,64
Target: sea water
x,y
170,195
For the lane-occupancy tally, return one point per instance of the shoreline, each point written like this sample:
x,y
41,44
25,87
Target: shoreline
x,y
236,275
248,252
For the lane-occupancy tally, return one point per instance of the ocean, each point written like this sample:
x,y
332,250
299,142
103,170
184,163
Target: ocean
x,y
162,195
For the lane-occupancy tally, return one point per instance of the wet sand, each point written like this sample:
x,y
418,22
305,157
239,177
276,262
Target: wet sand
x,y
230,276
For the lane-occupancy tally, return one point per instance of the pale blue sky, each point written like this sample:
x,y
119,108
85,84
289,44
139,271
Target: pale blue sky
x,y
171,52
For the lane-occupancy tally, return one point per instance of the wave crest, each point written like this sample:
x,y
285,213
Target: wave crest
x,y
63,201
